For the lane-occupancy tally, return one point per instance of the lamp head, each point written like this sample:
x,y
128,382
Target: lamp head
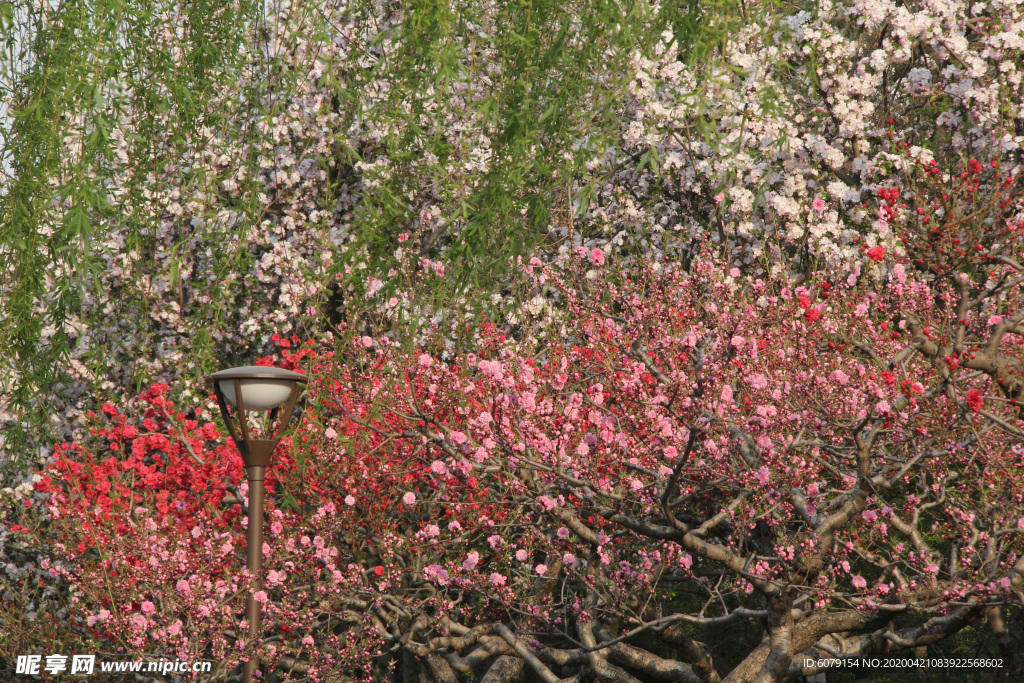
x,y
263,387
259,388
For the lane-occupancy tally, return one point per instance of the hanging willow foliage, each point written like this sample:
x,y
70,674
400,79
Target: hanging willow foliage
x,y
158,155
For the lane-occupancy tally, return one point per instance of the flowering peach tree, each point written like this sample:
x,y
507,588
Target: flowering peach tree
x,y
838,462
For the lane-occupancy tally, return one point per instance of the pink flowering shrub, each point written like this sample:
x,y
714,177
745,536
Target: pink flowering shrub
x,y
491,512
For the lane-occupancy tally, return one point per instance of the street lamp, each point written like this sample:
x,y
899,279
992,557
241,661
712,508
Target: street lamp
x,y
258,388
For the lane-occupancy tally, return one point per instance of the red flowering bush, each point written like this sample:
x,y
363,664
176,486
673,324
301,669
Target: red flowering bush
x,y
696,451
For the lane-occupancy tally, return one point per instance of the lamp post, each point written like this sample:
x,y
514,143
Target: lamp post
x,y
257,388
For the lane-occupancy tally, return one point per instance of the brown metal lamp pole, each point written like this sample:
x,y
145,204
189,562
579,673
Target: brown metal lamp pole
x,y
256,388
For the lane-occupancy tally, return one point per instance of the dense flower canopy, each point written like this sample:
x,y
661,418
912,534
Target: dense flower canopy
x,y
513,508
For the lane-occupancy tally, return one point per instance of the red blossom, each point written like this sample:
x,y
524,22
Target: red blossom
x,y
975,400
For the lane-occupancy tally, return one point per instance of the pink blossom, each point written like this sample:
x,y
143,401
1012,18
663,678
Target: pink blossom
x,y
425,361
260,596
839,377
435,571
758,381
329,432
869,516
995,319
458,437
569,559
495,541
686,561
367,342
719,198
472,559
597,256
521,555
497,579
454,527
859,582
900,272
175,628
818,204
763,475
183,585
492,369
541,569
738,341
409,498
883,407
438,467
350,500
563,533
148,607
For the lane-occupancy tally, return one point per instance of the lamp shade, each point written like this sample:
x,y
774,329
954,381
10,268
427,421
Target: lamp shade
x,y
263,387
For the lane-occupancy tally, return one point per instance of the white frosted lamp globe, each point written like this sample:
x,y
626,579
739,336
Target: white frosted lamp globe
x,y
263,388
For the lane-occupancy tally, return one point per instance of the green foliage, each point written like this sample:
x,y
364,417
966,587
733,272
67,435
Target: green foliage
x,y
77,71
